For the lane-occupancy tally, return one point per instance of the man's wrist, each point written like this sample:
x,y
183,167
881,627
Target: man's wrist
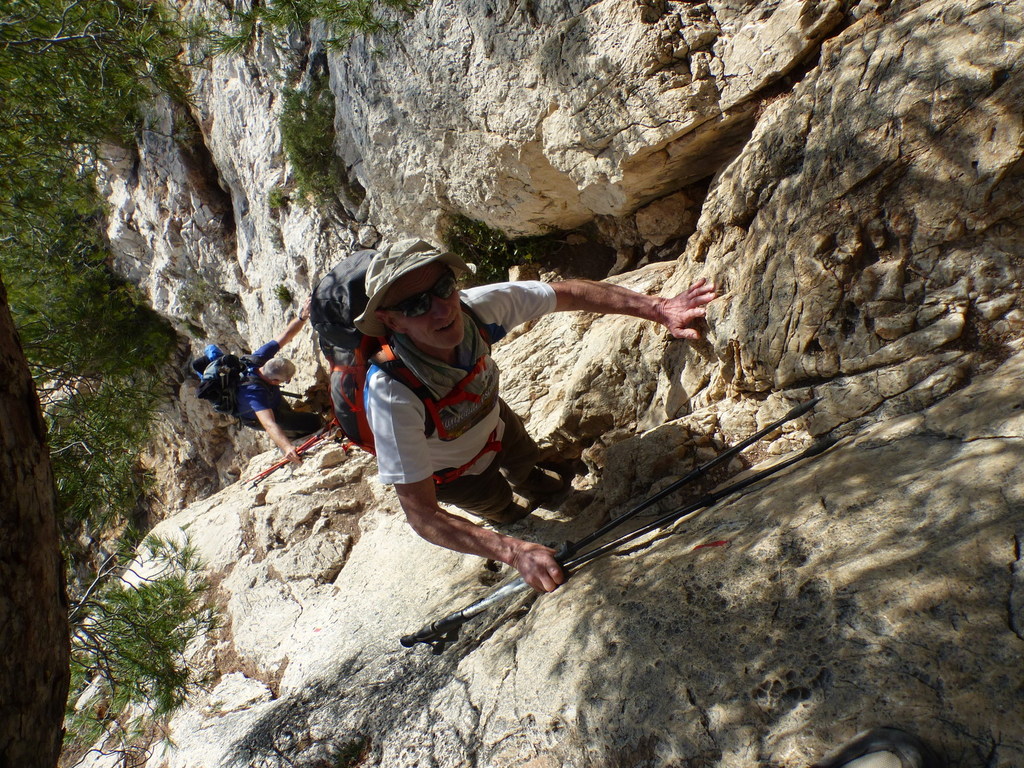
x,y
659,313
508,549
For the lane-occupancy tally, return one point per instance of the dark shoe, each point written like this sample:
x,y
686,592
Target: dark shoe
x,y
882,748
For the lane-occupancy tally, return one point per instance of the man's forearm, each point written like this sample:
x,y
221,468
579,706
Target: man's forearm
x,y
679,314
606,299
289,333
451,531
295,325
535,562
274,431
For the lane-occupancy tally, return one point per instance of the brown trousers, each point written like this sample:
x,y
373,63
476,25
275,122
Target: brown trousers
x,y
490,492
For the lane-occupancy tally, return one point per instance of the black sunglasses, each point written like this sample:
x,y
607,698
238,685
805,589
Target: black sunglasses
x,y
420,303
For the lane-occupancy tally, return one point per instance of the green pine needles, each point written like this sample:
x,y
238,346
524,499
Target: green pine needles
x,y
343,19
131,634
76,76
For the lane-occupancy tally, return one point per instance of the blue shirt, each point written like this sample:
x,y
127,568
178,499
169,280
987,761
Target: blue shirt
x,y
255,394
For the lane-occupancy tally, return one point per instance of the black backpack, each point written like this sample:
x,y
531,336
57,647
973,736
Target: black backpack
x,y
219,377
338,299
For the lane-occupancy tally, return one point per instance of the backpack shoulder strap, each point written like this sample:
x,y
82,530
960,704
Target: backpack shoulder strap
x,y
391,364
393,367
248,374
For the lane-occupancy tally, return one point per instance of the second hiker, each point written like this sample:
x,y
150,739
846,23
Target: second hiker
x,y
260,402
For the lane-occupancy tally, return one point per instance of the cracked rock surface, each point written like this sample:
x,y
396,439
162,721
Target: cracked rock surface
x,y
877,583
863,220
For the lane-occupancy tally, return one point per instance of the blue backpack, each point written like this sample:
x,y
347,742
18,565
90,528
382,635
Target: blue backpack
x,y
219,377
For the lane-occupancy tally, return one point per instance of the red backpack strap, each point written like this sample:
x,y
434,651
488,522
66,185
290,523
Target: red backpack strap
x,y
352,415
447,475
458,392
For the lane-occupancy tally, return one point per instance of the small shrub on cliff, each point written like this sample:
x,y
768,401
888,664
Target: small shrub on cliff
x,y
129,643
307,135
278,197
490,250
283,295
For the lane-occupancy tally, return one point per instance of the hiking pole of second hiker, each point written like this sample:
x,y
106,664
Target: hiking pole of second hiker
x,y
694,474
277,465
308,444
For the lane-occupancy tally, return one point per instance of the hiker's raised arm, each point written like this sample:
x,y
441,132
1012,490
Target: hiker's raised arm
x,y
294,326
535,562
678,313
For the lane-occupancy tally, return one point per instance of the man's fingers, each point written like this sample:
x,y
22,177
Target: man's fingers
x,y
701,291
546,579
547,582
558,575
687,333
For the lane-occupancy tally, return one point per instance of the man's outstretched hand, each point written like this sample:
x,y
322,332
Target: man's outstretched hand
x,y
680,313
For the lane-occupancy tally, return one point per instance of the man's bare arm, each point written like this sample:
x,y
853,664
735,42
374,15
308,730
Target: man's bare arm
x,y
294,326
272,428
535,562
678,313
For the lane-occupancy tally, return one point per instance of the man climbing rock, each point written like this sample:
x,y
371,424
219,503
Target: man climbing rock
x,y
260,402
480,451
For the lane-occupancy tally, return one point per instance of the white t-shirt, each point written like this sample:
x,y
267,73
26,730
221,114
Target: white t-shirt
x,y
397,417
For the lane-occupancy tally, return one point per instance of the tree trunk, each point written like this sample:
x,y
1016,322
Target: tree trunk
x,y
34,643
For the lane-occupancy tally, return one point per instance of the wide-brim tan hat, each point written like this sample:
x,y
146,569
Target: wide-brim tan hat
x,y
389,264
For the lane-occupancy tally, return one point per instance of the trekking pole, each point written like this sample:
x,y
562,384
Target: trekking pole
x,y
703,469
303,448
705,501
440,633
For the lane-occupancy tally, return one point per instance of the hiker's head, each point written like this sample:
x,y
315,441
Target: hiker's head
x,y
278,370
410,287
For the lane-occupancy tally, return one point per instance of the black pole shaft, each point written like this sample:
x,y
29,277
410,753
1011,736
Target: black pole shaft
x,y
694,474
702,503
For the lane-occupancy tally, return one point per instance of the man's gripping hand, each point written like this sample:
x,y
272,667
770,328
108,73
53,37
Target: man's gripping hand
x,y
537,565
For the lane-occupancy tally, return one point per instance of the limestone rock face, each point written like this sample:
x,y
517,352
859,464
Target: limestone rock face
x,y
862,220
539,117
876,583
870,229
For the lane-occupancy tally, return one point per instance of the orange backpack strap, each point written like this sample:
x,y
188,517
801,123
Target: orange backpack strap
x,y
347,392
391,364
